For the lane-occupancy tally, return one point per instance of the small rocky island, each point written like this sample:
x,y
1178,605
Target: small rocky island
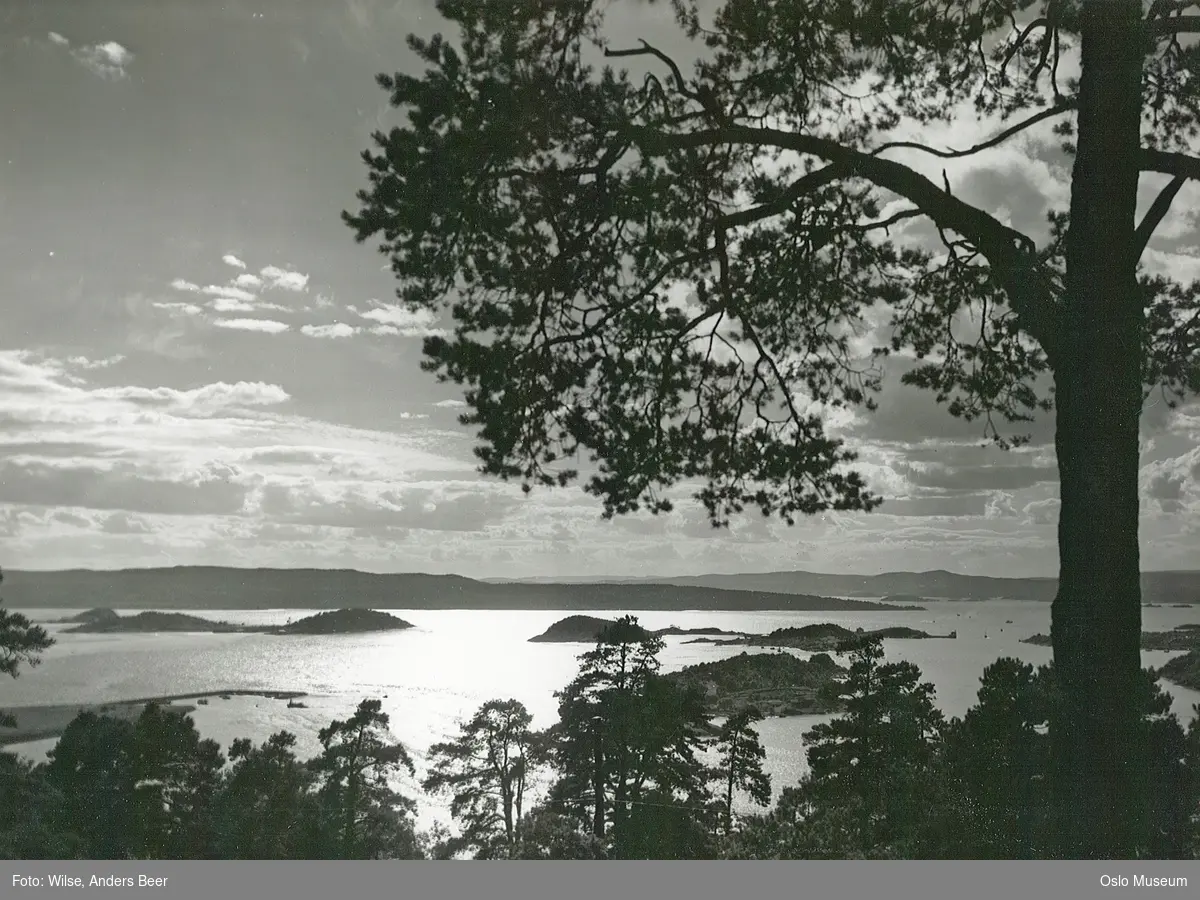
x,y
576,630
1182,637
587,630
825,637
340,621
776,684
92,616
344,621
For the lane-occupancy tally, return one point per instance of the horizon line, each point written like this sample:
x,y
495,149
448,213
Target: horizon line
x,y
552,578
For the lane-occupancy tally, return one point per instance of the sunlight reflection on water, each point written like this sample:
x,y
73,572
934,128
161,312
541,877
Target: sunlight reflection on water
x,y
436,674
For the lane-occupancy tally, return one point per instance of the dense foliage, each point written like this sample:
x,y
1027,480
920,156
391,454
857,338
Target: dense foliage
x,y
634,768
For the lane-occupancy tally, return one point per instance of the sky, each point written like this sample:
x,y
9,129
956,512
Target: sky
x,y
198,365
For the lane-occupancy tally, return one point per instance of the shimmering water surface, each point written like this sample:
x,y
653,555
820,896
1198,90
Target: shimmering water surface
x,y
434,675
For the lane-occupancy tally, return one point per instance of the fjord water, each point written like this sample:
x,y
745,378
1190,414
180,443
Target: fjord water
x,y
434,675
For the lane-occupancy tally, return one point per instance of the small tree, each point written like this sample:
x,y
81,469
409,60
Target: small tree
x,y
21,643
997,765
92,769
741,763
177,774
486,769
366,817
873,758
549,834
266,808
592,742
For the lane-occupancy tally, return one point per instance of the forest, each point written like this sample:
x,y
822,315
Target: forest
x,y
634,768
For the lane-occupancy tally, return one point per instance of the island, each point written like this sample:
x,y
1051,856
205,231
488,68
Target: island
x,y
339,621
825,637
91,616
344,621
1182,637
776,684
587,630
1183,670
577,630
153,621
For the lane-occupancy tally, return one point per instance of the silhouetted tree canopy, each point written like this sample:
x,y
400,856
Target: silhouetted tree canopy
x,y
668,270
21,643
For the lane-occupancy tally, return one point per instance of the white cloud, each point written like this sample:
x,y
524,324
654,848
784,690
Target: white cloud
x,y
57,38
108,60
206,400
265,325
246,280
451,404
180,285
231,304
218,290
283,279
336,330
84,363
400,320
230,260
186,309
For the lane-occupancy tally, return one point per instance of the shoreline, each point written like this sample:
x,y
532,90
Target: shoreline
x,y
49,720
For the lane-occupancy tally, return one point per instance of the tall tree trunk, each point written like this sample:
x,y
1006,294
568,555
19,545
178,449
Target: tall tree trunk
x,y
729,792
1099,760
598,785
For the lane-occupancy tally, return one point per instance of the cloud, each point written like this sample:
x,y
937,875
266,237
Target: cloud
x,y
336,330
83,362
400,320
206,400
186,309
108,60
247,280
231,305
1009,474
211,490
230,260
283,279
218,290
57,38
439,508
268,326
1042,512
180,285
1167,489
124,523
451,404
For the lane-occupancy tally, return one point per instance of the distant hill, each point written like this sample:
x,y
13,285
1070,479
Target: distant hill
x,y
203,588
1176,587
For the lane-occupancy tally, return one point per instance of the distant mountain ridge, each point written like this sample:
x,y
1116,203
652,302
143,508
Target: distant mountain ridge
x,y
216,588
205,587
1157,587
